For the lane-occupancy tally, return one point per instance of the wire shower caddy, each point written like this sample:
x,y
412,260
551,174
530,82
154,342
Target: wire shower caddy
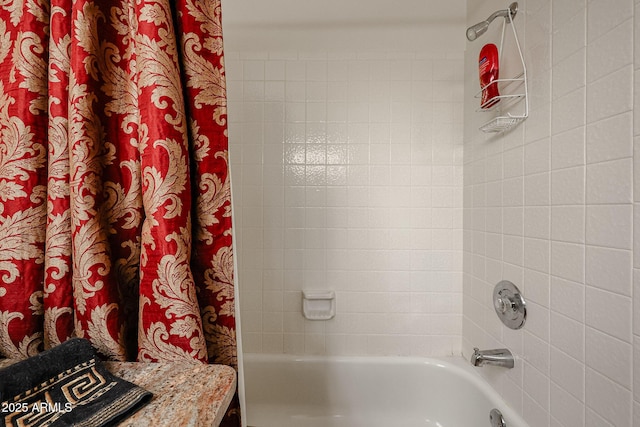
x,y
514,89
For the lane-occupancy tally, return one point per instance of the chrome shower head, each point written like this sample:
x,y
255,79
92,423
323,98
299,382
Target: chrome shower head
x,y
475,31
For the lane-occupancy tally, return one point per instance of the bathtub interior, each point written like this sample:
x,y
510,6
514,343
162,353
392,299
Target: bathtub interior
x,y
353,392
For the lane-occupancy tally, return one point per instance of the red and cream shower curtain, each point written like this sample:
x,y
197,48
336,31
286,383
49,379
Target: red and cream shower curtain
x,y
115,213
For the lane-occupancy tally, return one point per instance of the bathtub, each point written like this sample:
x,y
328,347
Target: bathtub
x,y
293,391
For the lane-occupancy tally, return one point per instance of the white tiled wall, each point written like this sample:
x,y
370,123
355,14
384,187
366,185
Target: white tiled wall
x,y
347,175
635,324
550,206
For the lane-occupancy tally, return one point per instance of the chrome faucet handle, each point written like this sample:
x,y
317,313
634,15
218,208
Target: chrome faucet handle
x,y
509,304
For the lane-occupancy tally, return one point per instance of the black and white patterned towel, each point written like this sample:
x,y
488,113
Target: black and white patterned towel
x,y
66,386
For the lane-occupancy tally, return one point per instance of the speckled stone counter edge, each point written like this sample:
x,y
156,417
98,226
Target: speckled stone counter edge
x,y
184,393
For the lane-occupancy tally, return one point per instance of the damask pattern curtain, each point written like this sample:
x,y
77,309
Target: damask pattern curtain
x,y
115,213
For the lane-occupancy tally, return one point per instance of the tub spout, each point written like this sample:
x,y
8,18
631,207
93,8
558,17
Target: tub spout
x,y
499,357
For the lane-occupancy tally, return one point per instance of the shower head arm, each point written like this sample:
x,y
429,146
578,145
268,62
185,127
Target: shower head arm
x,y
512,10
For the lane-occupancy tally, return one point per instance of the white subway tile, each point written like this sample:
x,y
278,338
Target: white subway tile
x,y
537,157
253,70
609,225
314,344
541,50
537,126
295,70
568,111
293,322
567,372
513,395
537,189
537,352
272,323
564,12
565,408
609,313
610,52
568,149
536,222
567,223
606,15
537,386
610,182
337,70
356,344
312,56
601,349
610,95
233,70
536,254
610,138
336,345
636,301
536,285
295,91
636,372
533,413
274,92
636,97
295,112
314,327
317,70
513,162
568,261
282,55
513,249
253,91
538,321
608,399
609,269
568,186
252,321
539,90
251,342
567,335
564,290
595,420
494,194
568,75
274,70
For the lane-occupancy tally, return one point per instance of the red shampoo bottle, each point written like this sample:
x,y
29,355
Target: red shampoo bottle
x,y
488,66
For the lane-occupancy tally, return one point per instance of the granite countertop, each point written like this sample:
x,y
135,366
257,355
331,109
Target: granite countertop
x,y
184,393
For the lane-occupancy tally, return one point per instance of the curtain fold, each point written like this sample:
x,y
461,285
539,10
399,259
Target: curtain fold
x,y
115,210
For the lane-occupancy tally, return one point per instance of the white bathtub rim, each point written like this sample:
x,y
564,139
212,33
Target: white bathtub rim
x,y
454,364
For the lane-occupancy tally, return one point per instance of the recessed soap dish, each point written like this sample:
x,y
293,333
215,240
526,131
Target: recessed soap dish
x,y
318,304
